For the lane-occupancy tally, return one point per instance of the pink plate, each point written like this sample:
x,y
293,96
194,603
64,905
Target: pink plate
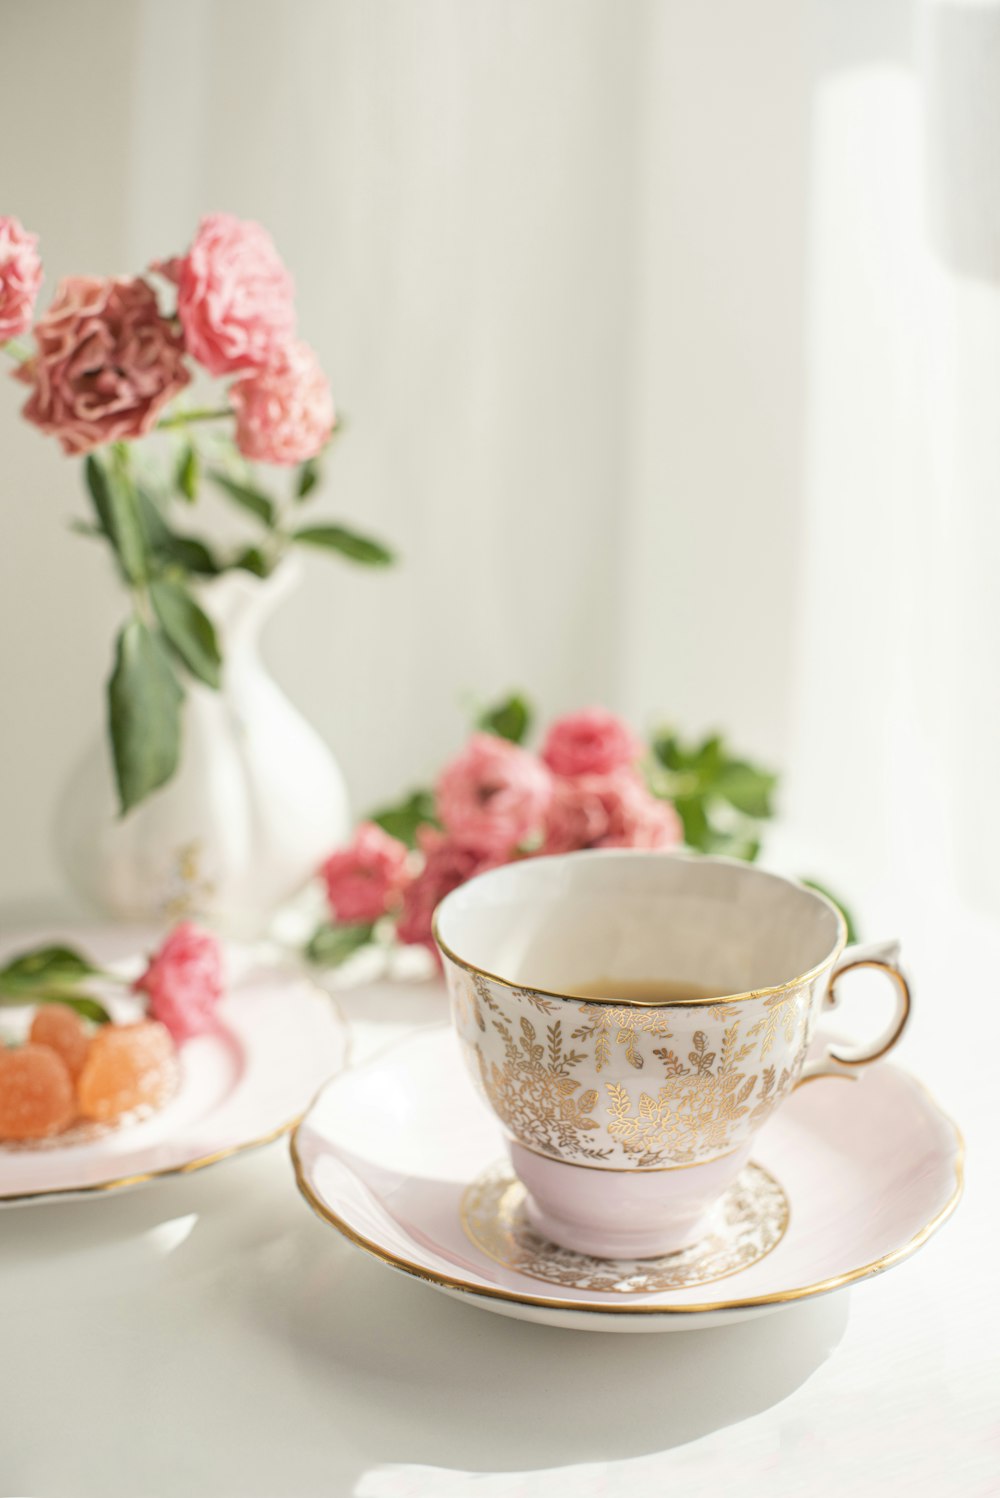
x,y
278,1039
848,1179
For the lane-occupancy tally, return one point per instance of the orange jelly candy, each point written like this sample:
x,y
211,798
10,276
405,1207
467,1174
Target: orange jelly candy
x,y
61,1028
127,1067
36,1093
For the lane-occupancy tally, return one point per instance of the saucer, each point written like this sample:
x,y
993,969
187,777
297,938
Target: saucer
x,y
848,1179
246,1082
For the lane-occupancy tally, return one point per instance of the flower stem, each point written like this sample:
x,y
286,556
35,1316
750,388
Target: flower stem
x,y
185,418
16,351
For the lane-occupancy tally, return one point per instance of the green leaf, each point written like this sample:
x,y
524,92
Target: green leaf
x,y
852,930
144,714
116,505
167,545
246,496
708,758
747,788
697,832
348,543
188,472
252,559
84,1003
188,629
403,820
191,554
733,845
44,966
332,945
309,477
666,748
510,719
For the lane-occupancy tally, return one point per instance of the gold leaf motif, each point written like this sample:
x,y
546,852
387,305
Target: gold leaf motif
x,y
625,1024
707,1094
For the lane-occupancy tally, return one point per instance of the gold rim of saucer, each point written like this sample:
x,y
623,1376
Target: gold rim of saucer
x,y
708,1000
611,1308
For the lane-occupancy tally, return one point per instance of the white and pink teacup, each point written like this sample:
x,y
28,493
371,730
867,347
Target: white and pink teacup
x,y
628,1117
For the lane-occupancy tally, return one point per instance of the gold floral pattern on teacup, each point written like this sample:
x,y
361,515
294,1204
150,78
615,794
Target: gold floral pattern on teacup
x,y
556,1072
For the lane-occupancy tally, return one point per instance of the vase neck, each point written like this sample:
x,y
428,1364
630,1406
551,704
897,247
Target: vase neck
x,y
239,604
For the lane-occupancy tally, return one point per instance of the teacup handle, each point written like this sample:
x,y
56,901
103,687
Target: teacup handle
x,y
884,956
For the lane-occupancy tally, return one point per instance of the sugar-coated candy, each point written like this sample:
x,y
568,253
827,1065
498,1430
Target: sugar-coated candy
x,y
61,1028
36,1093
127,1067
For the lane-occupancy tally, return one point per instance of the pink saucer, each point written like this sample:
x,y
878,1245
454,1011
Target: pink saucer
x,y
848,1179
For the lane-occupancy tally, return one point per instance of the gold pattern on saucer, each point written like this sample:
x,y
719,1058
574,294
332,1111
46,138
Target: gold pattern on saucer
x,y
747,1223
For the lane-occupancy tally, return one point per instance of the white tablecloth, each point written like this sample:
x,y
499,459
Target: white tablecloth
x,y
209,1338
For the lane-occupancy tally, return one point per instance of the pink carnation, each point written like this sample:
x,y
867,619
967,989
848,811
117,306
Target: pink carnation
x,y
20,278
449,862
637,819
107,362
184,981
494,794
235,297
591,742
367,878
608,811
284,414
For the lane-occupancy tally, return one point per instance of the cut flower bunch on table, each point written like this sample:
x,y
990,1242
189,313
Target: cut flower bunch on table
x,y
592,783
108,365
77,1065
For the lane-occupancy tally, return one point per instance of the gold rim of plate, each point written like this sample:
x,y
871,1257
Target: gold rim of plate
x,y
188,1167
783,1297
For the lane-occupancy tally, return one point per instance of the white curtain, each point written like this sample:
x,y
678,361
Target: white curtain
x,y
669,342
897,733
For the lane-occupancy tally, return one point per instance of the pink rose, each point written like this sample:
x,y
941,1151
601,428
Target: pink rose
x,y
184,981
577,816
636,818
107,362
20,278
494,794
284,414
235,298
449,862
608,811
591,742
367,878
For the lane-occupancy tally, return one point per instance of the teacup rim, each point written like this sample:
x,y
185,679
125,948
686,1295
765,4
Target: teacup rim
x,y
690,855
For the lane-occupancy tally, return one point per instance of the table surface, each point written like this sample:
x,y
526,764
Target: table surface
x,y
209,1336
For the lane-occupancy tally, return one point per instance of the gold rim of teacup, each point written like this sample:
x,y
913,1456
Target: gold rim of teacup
x,y
634,1003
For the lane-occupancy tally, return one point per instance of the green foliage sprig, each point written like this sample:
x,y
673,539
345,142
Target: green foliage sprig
x,y
168,638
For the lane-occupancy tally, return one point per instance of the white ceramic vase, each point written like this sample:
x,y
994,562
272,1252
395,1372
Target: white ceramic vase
x,y
257,802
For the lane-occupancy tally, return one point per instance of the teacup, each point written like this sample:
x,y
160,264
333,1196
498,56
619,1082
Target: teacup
x,y
629,1117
